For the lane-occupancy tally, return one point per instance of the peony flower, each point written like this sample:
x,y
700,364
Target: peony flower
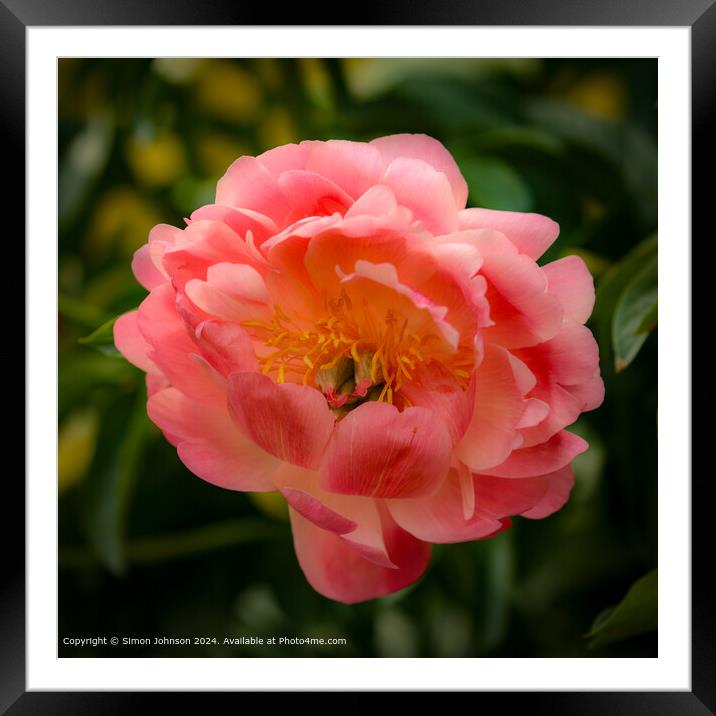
x,y
339,328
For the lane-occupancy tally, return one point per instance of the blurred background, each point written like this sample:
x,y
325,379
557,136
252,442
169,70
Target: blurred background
x,y
147,549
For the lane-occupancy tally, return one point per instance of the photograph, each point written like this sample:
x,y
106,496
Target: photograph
x,y
357,357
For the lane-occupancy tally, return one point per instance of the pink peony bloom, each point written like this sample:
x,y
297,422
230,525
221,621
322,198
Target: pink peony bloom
x,y
339,328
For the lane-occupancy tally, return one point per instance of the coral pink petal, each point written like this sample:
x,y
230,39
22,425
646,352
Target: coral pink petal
x,y
438,390
332,253
570,281
338,571
335,512
559,485
353,166
498,408
425,191
532,234
210,444
241,221
378,451
542,459
589,395
440,518
226,346
286,157
379,200
173,349
292,422
571,357
235,292
131,343
310,194
503,497
205,243
315,511
523,311
429,150
375,290
248,184
145,269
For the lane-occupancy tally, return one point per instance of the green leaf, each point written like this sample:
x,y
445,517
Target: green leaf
x,y
613,285
102,339
635,312
494,184
178,545
636,614
111,483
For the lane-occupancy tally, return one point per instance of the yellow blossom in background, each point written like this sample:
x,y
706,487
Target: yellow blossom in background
x,y
76,444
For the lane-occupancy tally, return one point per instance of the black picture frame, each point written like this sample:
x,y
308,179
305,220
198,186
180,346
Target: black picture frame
x,y
699,15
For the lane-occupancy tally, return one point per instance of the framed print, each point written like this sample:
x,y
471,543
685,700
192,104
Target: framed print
x,y
344,350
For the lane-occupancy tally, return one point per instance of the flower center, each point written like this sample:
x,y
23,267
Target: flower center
x,y
350,360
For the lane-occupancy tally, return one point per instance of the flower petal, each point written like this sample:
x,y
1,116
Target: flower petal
x,y
248,184
292,422
131,343
310,194
532,234
570,281
541,459
210,444
380,452
145,270
353,166
173,349
337,571
440,518
498,408
559,485
425,191
429,150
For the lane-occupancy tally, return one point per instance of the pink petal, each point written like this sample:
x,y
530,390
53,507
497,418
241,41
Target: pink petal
x,y
542,459
440,518
590,394
337,571
239,220
571,357
209,443
235,292
426,192
379,200
292,422
315,511
438,390
523,311
286,157
353,166
203,244
131,343
336,512
502,497
144,269
380,452
559,485
532,234
226,346
376,287
498,408
429,150
535,412
311,194
173,348
248,184
570,281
